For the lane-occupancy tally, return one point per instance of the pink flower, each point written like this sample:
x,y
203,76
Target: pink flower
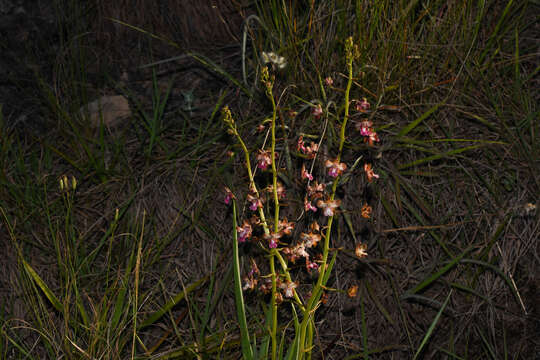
x,y
362,106
244,231
328,207
365,127
273,239
335,168
249,283
329,81
300,146
311,265
308,206
305,174
288,287
310,240
373,138
316,190
228,195
263,159
369,172
286,227
317,111
311,150
280,190
254,202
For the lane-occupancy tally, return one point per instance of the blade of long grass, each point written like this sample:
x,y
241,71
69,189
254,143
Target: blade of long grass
x,y
378,303
416,122
439,156
498,272
247,351
41,284
429,280
365,348
432,327
171,303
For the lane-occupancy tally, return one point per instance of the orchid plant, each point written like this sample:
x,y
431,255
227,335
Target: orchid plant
x,y
278,238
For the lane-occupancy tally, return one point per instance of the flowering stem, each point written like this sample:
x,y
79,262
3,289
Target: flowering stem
x,y
308,313
273,329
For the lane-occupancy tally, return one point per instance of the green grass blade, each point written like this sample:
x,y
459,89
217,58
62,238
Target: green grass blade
x,y
179,297
247,351
41,284
438,156
416,122
437,275
432,327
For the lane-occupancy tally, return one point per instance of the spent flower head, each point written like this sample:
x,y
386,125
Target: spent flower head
x,y
280,189
361,250
316,190
370,173
310,239
366,211
285,227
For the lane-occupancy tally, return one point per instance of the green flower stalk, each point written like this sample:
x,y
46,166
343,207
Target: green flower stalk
x,y
269,84
312,304
281,283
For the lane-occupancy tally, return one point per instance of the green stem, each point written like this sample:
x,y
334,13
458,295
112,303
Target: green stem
x,y
310,308
276,222
252,179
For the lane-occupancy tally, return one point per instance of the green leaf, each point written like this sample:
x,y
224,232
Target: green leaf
x,y
415,123
41,284
432,327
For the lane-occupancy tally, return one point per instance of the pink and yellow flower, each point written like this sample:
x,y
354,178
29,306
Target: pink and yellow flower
x,y
310,240
305,174
308,206
263,159
362,105
288,288
244,231
254,202
335,168
317,111
328,207
228,195
273,239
